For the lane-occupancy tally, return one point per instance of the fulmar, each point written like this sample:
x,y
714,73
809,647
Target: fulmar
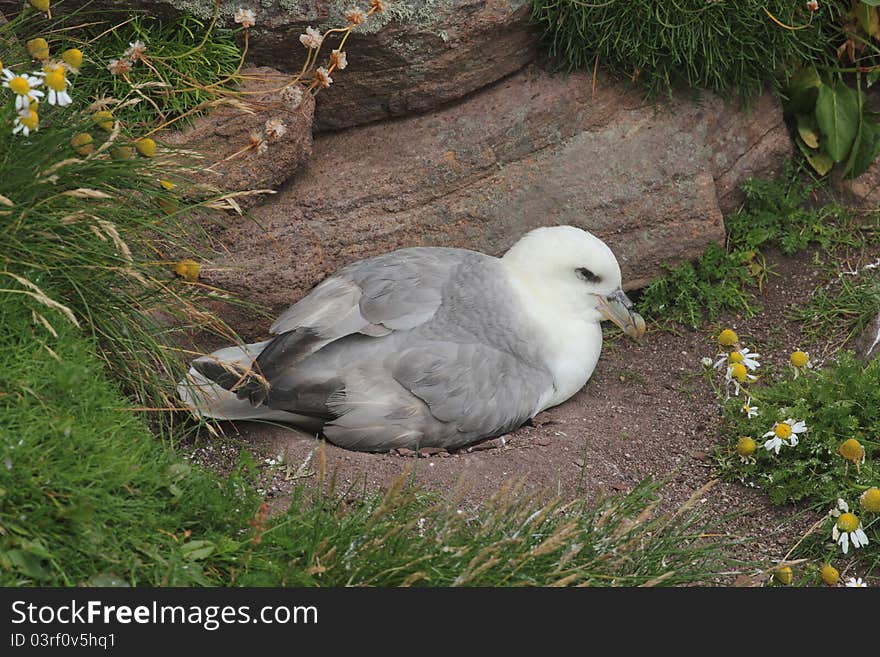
x,y
427,346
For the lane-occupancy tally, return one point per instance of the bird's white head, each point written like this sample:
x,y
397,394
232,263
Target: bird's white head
x,y
568,268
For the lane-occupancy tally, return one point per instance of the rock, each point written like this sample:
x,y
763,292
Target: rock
x,y
405,452
864,190
281,118
416,56
754,142
533,150
432,451
867,345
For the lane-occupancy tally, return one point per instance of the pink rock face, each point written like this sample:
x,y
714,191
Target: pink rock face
x,y
533,150
280,120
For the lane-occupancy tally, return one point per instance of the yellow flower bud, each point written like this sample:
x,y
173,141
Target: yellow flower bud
x,y
167,184
83,144
738,371
746,446
122,153
38,48
784,575
870,500
799,359
39,5
852,450
728,338
104,119
146,147
829,574
73,58
188,270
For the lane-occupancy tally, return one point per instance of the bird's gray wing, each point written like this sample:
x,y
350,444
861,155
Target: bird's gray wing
x,y
392,292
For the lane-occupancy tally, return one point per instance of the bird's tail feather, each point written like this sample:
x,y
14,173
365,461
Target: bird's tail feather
x,y
207,398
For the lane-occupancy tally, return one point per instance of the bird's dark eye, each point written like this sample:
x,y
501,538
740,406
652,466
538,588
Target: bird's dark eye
x,y
586,275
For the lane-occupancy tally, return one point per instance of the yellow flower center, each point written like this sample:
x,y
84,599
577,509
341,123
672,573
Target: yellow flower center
x,y
870,500
167,184
782,430
745,446
829,574
727,338
56,80
852,450
31,121
799,359
738,372
847,522
19,86
736,357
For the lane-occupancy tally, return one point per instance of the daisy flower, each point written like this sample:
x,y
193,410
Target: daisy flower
x,y
784,433
312,38
245,17
800,360
728,338
23,86
748,409
56,83
848,528
322,77
748,358
26,121
853,583
706,361
737,374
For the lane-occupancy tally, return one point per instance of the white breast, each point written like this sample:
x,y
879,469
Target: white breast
x,y
571,342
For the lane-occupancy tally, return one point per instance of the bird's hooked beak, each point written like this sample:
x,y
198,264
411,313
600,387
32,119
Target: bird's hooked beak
x,y
619,309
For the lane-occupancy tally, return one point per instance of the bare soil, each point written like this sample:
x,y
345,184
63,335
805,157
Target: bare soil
x,y
647,412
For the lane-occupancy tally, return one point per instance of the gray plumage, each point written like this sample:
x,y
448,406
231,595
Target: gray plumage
x,y
409,349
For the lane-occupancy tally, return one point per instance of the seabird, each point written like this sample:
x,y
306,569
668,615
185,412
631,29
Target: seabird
x,y
427,346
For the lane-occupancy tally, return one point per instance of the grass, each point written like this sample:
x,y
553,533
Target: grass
x,y
720,46
777,214
840,310
95,233
87,495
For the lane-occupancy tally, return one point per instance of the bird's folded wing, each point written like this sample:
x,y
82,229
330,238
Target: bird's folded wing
x,y
398,290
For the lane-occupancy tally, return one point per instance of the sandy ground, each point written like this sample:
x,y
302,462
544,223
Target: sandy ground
x,y
647,412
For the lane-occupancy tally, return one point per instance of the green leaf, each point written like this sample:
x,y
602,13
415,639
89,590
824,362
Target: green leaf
x,y
821,162
802,90
837,111
867,15
808,129
197,550
866,149
871,3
